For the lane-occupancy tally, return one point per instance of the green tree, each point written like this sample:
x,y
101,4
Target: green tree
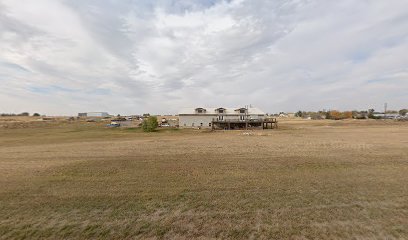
x,y
36,114
150,124
371,113
328,115
403,112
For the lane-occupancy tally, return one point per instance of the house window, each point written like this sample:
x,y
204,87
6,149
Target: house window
x,y
220,110
241,117
221,118
209,124
242,111
200,110
201,124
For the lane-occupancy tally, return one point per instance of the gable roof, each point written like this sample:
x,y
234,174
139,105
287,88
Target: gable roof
x,y
212,111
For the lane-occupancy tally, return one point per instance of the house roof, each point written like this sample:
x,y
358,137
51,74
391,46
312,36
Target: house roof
x,y
209,111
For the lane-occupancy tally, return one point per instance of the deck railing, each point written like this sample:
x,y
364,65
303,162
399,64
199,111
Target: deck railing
x,y
245,120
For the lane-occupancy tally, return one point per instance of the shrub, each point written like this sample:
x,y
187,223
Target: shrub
x,y
150,124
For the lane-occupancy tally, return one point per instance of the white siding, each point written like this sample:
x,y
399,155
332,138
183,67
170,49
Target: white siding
x,y
195,121
97,114
204,121
188,117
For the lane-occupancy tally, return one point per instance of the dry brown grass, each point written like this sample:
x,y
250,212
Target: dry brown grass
x,y
306,180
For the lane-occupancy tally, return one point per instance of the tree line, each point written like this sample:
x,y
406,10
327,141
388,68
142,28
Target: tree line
x,y
24,114
338,115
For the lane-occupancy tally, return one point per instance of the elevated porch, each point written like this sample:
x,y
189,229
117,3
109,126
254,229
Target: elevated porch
x,y
244,124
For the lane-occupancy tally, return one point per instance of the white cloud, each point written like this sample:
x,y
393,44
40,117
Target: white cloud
x,y
63,57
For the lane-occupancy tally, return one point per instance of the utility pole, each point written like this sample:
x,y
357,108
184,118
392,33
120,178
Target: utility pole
x,y
385,110
246,112
246,117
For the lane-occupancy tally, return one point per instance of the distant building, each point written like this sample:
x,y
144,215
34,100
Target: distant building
x,y
386,116
93,114
168,121
222,118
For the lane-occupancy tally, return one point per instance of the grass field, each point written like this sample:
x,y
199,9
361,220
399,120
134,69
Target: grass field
x,y
306,180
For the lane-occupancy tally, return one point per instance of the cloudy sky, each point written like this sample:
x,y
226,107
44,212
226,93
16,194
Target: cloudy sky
x,y
134,56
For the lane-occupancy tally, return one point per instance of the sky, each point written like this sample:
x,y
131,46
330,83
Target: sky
x,y
61,57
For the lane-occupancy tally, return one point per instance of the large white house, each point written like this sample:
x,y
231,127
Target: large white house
x,y
231,118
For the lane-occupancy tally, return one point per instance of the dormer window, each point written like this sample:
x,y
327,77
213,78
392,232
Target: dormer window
x,y
220,110
241,110
200,110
